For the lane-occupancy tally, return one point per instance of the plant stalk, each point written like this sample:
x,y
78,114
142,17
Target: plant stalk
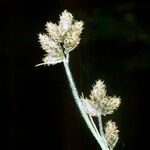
x,y
79,104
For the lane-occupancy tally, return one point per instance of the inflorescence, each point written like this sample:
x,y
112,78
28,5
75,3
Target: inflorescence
x,y
57,43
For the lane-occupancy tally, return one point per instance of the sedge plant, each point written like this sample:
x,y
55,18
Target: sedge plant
x,y
57,43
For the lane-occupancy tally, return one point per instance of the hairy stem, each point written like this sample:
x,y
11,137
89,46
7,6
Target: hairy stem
x,y
79,104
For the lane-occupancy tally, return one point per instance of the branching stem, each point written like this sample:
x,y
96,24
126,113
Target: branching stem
x,y
101,129
80,106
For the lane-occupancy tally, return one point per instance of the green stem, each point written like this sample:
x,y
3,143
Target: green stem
x,y
79,104
94,125
100,125
101,129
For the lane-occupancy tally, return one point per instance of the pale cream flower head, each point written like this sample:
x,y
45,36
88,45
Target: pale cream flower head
x,y
99,103
60,39
111,134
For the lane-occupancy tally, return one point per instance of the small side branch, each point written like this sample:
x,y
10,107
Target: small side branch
x,y
101,129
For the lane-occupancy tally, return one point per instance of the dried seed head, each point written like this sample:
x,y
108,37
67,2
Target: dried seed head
x,y
100,102
111,134
60,39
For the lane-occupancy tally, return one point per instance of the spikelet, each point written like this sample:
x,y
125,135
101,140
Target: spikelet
x,y
65,23
72,38
111,104
53,31
99,91
53,51
111,134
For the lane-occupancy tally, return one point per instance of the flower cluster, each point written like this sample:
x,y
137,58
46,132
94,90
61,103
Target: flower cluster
x,y
99,103
111,134
60,39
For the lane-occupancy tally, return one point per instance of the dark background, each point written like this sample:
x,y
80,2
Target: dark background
x,y
38,111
